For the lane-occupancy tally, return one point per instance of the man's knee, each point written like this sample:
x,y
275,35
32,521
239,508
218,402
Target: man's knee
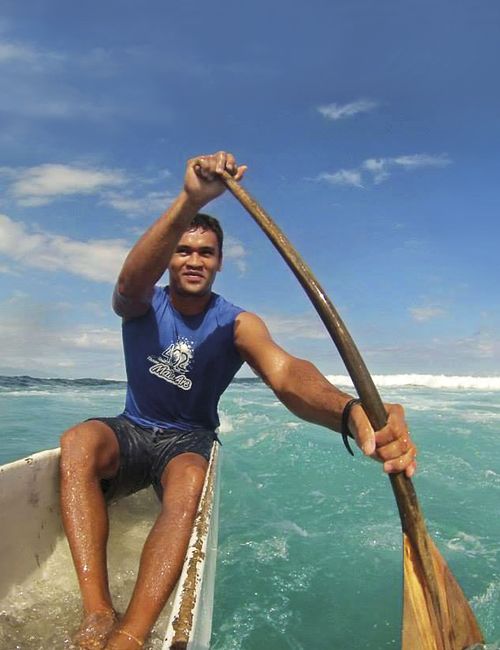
x,y
183,481
90,447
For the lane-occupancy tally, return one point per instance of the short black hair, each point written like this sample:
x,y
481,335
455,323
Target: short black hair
x,y
206,222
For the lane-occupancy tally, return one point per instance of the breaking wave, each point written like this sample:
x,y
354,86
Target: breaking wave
x,y
427,381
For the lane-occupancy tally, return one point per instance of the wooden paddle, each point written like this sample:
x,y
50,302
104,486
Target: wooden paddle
x,y
436,614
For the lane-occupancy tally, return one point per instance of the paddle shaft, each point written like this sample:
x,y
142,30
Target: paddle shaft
x,y
412,520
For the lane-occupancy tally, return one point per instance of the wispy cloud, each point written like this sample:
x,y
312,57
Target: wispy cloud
x,y
97,260
49,84
302,326
477,353
90,337
41,184
13,53
341,111
62,348
234,250
426,312
150,204
342,177
378,170
126,193
381,168
7,270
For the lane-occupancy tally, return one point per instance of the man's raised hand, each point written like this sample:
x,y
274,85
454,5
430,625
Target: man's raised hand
x,y
201,181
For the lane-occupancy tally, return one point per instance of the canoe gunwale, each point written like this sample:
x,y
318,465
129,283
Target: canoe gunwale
x,y
187,605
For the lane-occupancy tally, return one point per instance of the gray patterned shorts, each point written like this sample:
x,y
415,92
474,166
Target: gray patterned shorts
x,y
144,454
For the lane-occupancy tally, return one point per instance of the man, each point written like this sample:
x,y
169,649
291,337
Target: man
x,y
183,344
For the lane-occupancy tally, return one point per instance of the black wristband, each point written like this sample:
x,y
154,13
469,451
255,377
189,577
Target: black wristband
x,y
344,427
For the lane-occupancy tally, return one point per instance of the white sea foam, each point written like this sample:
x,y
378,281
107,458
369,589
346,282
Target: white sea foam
x,y
487,606
291,526
427,381
270,550
226,423
464,543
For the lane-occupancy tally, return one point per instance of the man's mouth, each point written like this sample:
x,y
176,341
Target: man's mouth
x,y
193,275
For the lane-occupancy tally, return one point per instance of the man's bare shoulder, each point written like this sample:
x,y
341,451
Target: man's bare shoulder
x,y
250,324
128,308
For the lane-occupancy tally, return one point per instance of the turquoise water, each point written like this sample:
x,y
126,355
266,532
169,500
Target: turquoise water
x,y
309,539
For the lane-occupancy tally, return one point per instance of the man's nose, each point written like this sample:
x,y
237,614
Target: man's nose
x,y
194,259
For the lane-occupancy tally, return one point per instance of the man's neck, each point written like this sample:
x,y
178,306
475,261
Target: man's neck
x,y
189,305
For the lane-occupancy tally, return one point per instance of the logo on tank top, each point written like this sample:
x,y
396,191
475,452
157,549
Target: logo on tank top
x,y
173,364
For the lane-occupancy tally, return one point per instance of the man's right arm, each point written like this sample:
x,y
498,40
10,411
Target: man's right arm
x,y
149,258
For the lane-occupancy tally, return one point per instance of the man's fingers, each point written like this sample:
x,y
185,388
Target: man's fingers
x,y
231,165
204,167
395,428
411,469
220,159
396,449
360,427
208,167
405,462
240,172
392,445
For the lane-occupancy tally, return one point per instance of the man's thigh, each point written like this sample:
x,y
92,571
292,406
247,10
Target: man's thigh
x,y
182,482
133,472
172,443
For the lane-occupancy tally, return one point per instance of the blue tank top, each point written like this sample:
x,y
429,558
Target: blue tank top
x,y
178,366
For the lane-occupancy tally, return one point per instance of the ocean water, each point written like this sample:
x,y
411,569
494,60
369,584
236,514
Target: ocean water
x,y
310,539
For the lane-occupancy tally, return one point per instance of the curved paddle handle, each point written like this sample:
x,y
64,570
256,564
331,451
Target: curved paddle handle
x,y
353,361
412,521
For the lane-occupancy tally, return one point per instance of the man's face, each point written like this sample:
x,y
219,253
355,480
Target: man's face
x,y
195,263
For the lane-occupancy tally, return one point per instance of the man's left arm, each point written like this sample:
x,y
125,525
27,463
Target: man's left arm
x,y
300,386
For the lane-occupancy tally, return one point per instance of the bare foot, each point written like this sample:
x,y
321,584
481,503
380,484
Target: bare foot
x,y
123,640
95,630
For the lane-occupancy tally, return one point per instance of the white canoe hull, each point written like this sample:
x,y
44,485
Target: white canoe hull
x,y
35,561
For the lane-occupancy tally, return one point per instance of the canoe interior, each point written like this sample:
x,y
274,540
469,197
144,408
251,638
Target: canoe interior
x,y
39,598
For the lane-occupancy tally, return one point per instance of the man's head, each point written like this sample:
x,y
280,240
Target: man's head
x,y
206,222
197,258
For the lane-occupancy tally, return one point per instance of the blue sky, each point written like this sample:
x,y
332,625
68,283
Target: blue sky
x,y
371,133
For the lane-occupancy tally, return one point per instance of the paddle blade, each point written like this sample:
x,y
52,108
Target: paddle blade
x,y
450,626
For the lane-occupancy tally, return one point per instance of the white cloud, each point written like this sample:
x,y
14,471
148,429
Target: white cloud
x,y
418,160
13,52
303,326
235,251
44,183
40,185
37,338
23,58
472,355
89,337
340,111
7,270
342,177
426,313
96,260
41,83
152,204
379,170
